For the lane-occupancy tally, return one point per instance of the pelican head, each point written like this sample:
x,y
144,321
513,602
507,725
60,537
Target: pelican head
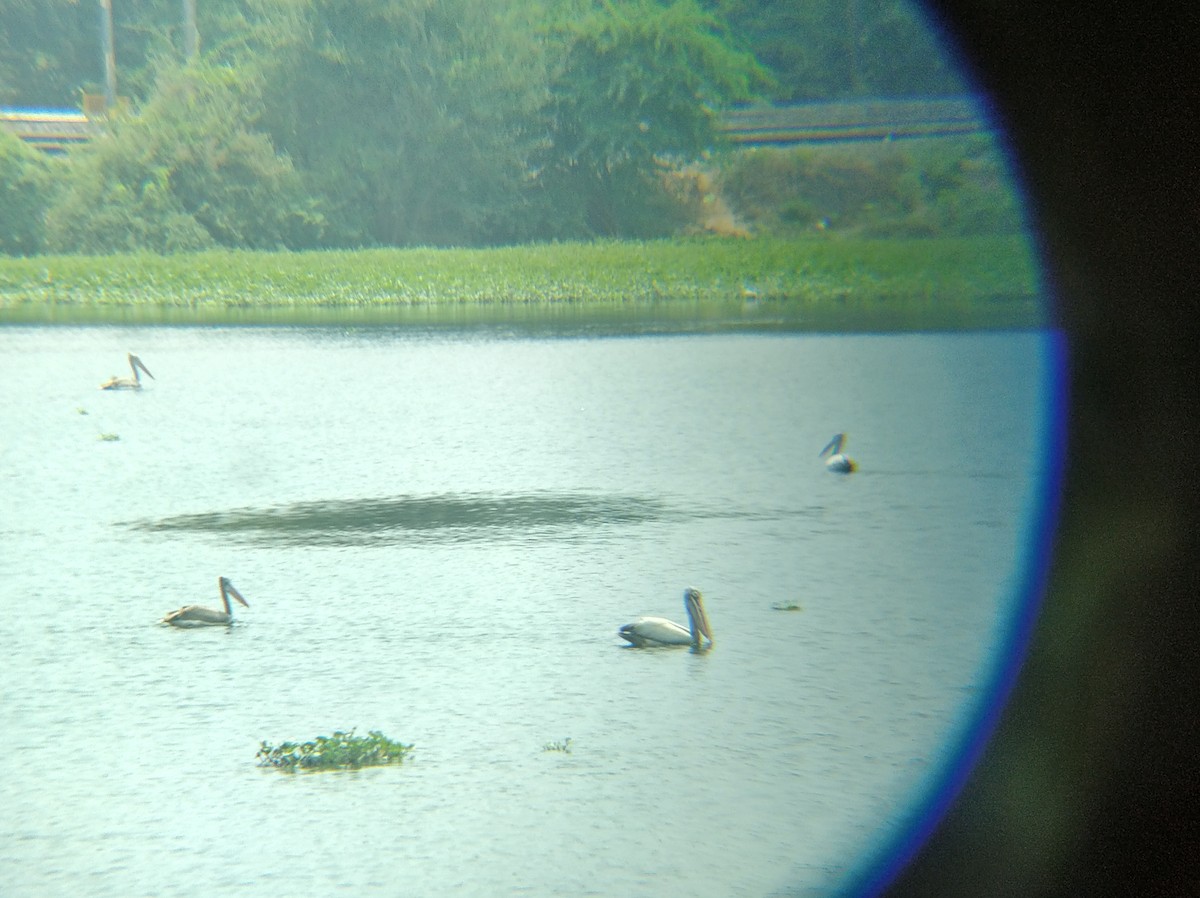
x,y
698,624
135,363
228,589
834,446
837,462
646,632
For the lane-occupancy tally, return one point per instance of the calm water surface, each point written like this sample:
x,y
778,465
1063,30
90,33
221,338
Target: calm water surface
x,y
439,534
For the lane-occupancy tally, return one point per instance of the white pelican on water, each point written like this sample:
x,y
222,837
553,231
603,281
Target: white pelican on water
x,y
128,383
199,616
838,463
656,631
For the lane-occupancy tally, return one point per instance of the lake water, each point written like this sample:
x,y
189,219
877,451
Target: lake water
x,y
439,533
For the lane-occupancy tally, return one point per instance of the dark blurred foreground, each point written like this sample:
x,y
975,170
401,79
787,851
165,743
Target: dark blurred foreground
x,y
1091,785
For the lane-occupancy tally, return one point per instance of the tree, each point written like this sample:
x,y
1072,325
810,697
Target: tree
x,y
826,49
24,184
413,122
638,82
185,173
49,50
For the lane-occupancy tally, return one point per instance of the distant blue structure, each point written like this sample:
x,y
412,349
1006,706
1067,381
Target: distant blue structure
x,y
57,130
52,131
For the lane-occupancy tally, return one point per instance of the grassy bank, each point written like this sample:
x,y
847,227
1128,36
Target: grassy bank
x,y
809,281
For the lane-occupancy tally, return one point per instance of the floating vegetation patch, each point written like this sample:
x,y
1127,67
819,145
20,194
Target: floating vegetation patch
x,y
108,437
797,284
564,746
341,751
442,518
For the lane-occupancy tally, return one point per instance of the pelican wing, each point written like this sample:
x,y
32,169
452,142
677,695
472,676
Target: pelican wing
x,y
649,631
196,615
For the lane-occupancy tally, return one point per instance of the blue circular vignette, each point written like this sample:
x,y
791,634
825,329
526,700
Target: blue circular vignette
x,y
1031,571
882,868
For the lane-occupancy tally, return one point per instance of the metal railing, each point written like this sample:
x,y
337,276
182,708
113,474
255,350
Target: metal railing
x,y
56,130
881,119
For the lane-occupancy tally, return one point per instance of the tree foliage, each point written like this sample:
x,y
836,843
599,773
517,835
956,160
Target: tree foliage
x,y
636,82
24,176
826,49
349,123
186,173
412,122
48,51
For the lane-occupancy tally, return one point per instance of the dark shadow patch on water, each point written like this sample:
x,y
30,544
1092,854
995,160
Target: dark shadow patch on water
x,y
441,518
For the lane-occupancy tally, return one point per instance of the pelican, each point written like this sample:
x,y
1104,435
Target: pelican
x,y
128,383
646,632
838,463
199,616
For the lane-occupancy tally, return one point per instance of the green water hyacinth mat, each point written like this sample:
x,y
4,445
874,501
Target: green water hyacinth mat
x,y
975,281
341,751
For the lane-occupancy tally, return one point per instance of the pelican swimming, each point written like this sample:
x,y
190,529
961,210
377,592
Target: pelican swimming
x,y
128,383
838,463
199,616
656,631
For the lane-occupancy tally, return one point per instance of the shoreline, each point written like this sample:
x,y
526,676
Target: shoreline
x,y
803,283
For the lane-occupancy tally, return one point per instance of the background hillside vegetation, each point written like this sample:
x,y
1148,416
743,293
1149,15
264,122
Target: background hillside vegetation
x,y
340,124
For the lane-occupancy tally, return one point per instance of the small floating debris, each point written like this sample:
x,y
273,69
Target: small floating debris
x,y
787,606
341,751
108,437
564,746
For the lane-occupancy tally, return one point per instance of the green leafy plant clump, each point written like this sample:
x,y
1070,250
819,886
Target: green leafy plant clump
x,y
341,751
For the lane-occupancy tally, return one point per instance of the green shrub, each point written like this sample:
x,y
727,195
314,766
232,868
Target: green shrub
x,y
24,187
186,173
941,187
